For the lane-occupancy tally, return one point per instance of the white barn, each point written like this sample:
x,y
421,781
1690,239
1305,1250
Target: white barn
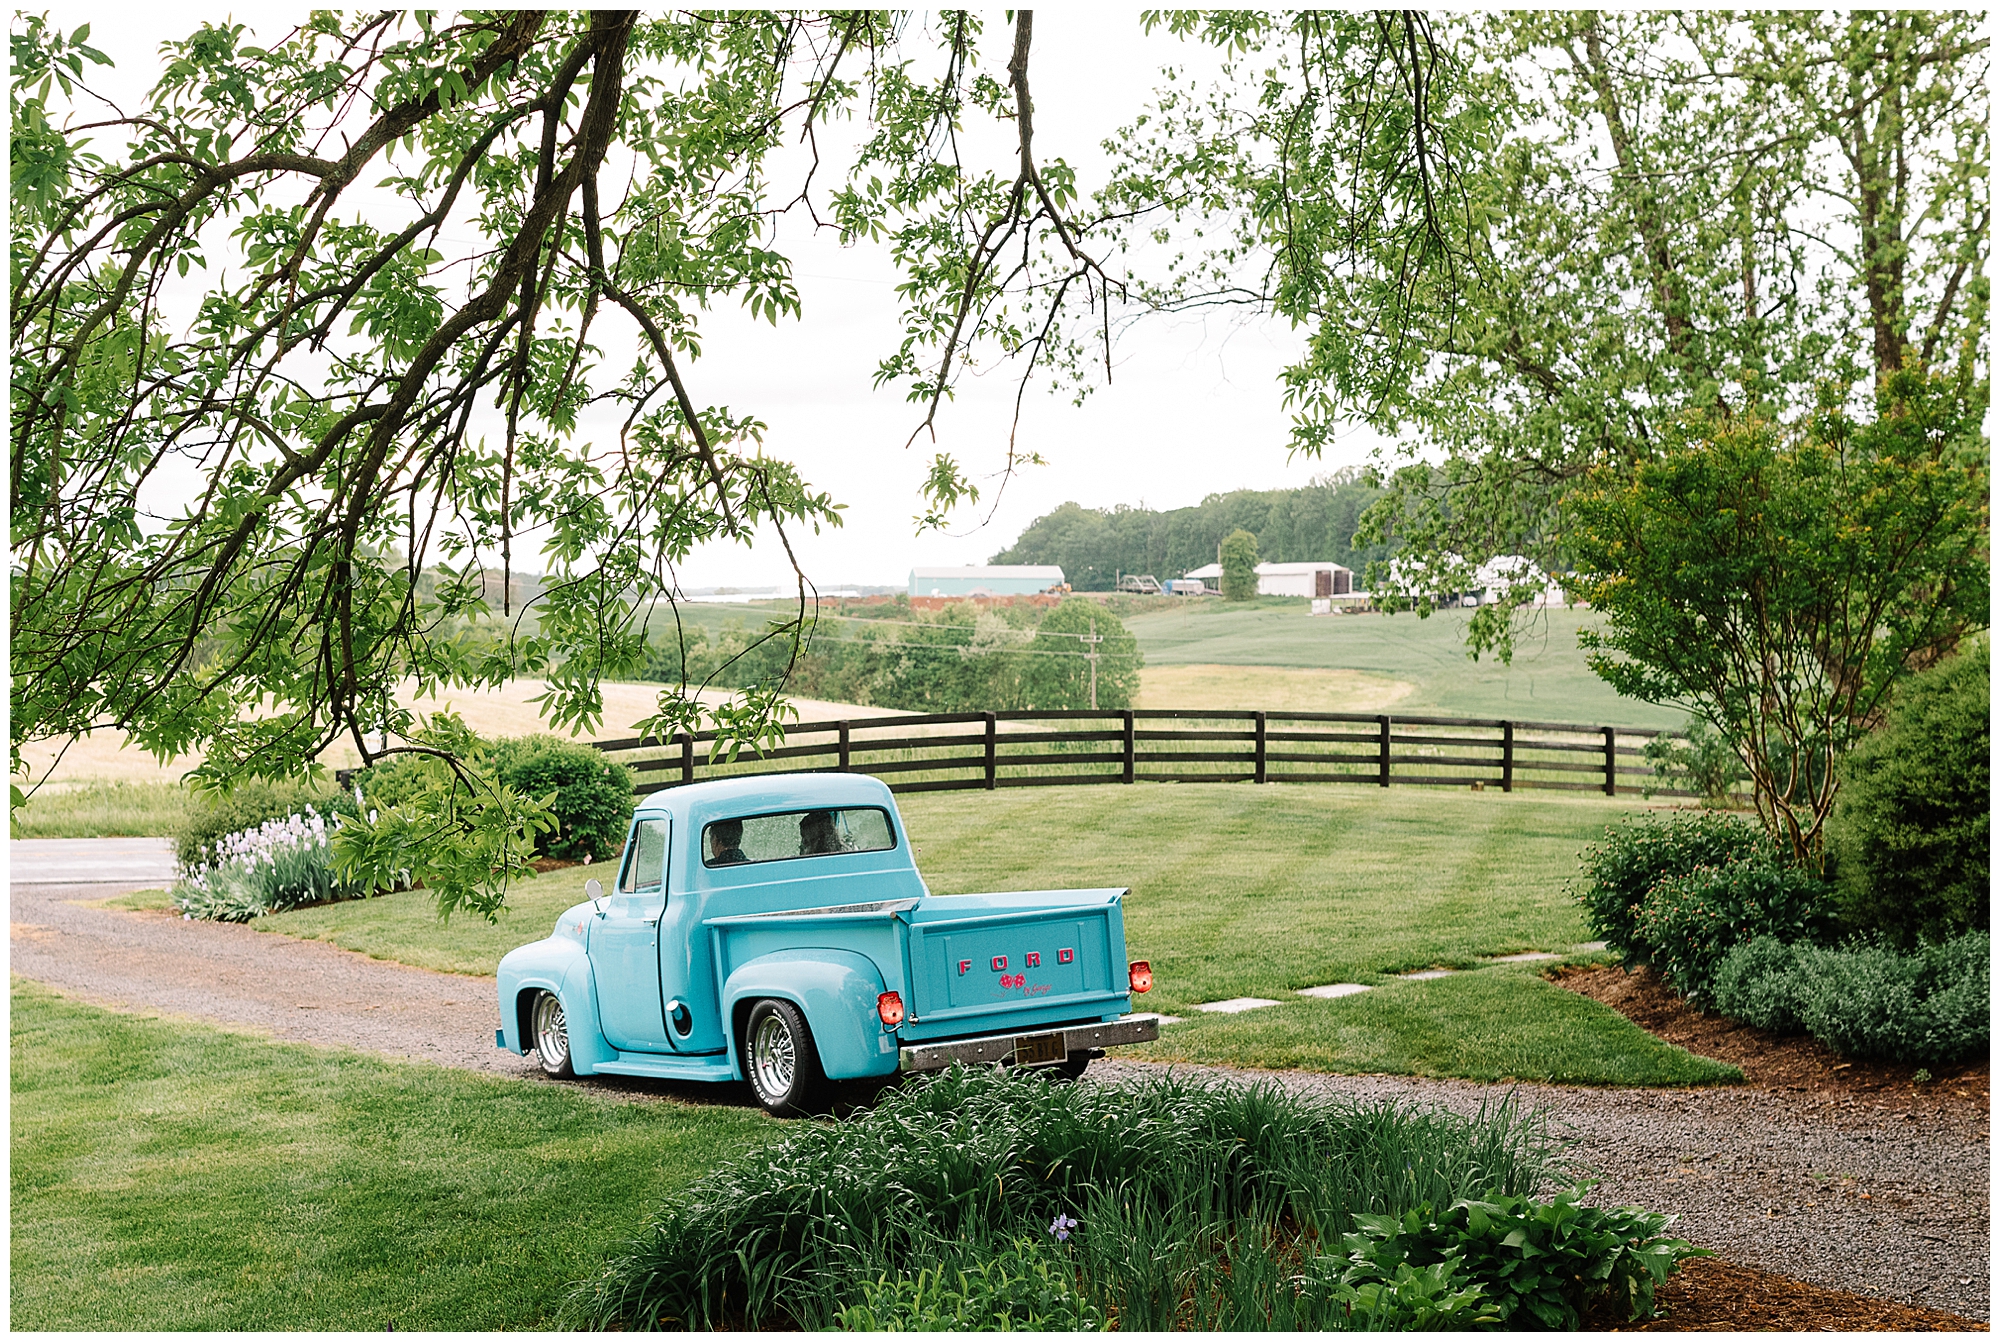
x,y
1308,578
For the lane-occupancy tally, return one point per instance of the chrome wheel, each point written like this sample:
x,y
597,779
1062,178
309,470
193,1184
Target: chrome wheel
x,y
779,1058
552,1036
773,1057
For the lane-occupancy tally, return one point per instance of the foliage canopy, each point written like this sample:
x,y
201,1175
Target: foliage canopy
x,y
404,290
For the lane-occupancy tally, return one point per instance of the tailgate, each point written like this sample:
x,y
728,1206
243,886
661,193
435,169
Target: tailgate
x,y
994,962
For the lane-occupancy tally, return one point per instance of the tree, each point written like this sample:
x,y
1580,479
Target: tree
x,y
408,291
1239,566
1313,522
1782,582
1082,656
1649,213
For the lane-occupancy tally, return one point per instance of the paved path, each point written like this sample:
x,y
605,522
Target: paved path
x,y
129,864
1757,1175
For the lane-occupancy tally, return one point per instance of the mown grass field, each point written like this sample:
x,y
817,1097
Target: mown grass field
x,y
102,810
1547,681
168,1175
1243,891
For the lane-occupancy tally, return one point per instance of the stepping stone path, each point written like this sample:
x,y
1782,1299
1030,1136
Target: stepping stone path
x,y
1163,1020
1524,957
1428,974
1331,990
1233,1005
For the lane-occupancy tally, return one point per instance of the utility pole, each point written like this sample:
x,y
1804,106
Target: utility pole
x,y
1093,641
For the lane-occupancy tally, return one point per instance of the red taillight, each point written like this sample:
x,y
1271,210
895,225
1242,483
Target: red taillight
x,y
1141,974
889,1006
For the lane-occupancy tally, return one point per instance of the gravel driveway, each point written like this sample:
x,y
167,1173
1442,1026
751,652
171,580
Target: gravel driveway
x,y
1859,1199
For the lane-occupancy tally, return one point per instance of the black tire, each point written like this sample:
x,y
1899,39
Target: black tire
x,y
1071,1067
551,1036
780,1060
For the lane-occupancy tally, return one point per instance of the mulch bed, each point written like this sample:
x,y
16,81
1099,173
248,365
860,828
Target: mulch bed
x,y
1713,1294
1716,1295
1790,1063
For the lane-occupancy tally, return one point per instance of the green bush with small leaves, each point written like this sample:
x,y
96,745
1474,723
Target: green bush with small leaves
x,y
1687,923
1929,1006
1909,834
1635,857
593,793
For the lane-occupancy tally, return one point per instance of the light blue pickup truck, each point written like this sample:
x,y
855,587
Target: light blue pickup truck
x,y
775,929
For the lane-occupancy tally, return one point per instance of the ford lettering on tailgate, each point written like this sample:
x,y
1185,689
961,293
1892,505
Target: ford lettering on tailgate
x,y
1023,962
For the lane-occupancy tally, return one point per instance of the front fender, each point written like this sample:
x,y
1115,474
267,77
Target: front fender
x,y
835,989
560,966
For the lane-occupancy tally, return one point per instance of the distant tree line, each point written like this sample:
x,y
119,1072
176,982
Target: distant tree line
x,y
961,659
1095,545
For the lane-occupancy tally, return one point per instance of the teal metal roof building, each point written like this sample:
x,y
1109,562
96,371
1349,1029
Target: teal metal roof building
x,y
985,580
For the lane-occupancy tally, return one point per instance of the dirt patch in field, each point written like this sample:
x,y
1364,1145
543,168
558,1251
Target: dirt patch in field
x,y
1795,1063
1716,1295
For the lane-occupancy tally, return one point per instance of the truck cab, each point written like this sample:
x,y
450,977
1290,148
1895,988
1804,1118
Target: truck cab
x,y
775,929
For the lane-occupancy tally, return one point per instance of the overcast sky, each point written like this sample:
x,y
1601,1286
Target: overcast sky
x,y
1193,407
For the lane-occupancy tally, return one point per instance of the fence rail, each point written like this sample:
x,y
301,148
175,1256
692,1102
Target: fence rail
x,y
932,752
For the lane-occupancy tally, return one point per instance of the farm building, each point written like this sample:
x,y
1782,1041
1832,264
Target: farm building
x,y
1297,579
985,580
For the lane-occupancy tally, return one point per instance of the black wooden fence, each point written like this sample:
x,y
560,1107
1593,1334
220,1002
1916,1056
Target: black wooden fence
x,y
931,752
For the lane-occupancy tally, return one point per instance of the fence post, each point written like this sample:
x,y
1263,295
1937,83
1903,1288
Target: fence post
x,y
1260,748
1506,757
843,748
687,757
1131,751
1610,761
992,744
1383,721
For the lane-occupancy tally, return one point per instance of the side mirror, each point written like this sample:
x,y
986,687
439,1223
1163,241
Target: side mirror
x,y
594,889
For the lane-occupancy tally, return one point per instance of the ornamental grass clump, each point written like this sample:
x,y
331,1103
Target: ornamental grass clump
x,y
281,864
976,1196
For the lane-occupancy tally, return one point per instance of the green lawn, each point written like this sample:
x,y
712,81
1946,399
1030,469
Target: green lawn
x,y
404,927
1503,1023
173,1176
1548,680
1243,892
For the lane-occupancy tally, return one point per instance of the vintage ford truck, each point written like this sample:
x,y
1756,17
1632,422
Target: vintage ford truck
x,y
774,929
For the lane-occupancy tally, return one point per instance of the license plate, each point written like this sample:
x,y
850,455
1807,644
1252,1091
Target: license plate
x,y
1031,1049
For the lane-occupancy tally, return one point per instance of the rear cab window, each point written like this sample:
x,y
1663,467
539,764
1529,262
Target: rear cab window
x,y
775,838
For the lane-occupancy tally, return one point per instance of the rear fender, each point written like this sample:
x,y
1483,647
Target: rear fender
x,y
560,966
837,991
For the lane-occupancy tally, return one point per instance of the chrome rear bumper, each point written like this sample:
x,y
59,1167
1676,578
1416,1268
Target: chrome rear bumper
x,y
999,1048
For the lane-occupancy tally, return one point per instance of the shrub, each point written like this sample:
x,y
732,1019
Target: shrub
x,y
1634,857
1687,923
281,864
1540,1264
593,805
1755,984
593,793
1927,1006
1024,1287
218,815
948,1172
1909,833
1705,763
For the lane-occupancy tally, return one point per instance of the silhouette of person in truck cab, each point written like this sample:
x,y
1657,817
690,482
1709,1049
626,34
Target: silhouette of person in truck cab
x,y
818,835
725,843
